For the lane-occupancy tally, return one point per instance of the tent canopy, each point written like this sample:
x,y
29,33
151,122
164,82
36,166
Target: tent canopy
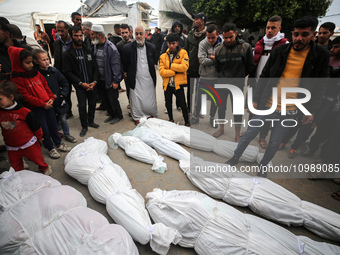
x,y
104,8
25,13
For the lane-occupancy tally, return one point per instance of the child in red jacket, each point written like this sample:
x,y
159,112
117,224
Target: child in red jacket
x,y
21,130
37,96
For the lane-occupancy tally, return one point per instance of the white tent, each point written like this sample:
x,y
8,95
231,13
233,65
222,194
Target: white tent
x,y
25,13
175,6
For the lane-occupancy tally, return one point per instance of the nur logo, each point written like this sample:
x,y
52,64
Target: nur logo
x,y
207,88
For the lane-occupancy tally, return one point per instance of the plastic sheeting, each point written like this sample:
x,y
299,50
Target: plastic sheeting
x,y
175,6
137,149
212,227
89,145
162,145
108,184
43,217
263,196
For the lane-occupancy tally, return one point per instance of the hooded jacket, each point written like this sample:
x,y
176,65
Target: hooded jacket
x,y
181,40
31,85
177,68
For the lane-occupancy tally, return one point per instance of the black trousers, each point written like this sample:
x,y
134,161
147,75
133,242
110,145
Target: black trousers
x,y
110,100
180,98
86,97
224,93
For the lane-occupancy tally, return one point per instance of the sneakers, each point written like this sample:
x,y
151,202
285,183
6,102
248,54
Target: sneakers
x,y
292,153
282,146
54,154
233,161
70,139
48,171
64,148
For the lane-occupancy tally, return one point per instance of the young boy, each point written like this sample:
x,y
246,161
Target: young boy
x,y
59,87
173,67
37,96
21,130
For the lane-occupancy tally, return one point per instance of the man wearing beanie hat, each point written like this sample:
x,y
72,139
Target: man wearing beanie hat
x,y
173,68
108,61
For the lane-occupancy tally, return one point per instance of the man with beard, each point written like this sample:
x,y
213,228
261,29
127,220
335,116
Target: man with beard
x,y
108,61
301,58
76,19
326,30
81,69
139,59
125,32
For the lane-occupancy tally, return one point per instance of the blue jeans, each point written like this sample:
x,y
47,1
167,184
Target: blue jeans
x,y
63,122
278,132
49,125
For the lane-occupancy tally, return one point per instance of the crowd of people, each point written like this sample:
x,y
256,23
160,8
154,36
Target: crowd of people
x,y
95,64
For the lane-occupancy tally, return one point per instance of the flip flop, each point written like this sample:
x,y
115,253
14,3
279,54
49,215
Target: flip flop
x,y
336,195
263,143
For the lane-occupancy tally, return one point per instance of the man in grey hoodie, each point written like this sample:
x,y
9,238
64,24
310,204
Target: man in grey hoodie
x,y
207,69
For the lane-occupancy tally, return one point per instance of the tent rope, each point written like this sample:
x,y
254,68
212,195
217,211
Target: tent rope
x,y
100,6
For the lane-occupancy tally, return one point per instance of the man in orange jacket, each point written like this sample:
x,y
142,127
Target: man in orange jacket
x,y
173,67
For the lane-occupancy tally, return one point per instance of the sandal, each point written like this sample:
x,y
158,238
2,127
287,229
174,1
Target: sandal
x,y
336,195
218,133
263,143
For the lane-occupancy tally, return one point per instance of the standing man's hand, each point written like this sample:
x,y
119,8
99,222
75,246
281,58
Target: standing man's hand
x,y
307,119
114,85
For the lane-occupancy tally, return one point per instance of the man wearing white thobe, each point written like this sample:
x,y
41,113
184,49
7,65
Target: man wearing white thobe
x,y
139,65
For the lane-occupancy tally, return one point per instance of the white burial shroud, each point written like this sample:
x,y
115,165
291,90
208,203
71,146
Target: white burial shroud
x,y
89,145
137,149
40,216
109,184
262,196
196,139
162,145
212,227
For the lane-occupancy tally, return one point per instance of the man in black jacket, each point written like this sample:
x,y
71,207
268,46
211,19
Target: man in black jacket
x,y
301,58
139,60
81,69
60,45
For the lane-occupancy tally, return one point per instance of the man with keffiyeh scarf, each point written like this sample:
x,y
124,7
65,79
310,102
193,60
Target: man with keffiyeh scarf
x,y
263,47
